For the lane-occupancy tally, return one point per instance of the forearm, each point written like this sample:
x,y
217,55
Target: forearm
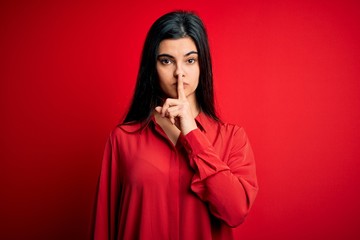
x,y
229,187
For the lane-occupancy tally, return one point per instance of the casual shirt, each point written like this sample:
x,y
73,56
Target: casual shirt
x,y
200,188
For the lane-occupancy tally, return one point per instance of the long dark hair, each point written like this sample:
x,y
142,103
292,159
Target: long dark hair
x,y
147,95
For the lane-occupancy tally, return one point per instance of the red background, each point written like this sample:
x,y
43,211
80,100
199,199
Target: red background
x,y
288,71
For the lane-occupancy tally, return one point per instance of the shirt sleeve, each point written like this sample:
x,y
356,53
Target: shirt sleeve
x,y
106,207
229,186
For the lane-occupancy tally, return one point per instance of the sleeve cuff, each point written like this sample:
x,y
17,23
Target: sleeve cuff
x,y
202,155
195,142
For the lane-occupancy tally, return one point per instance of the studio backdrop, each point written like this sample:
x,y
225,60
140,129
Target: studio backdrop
x,y
287,71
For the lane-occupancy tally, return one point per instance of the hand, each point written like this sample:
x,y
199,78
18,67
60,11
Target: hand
x,y
178,111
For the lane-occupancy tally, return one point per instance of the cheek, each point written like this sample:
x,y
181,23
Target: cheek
x,y
163,79
163,74
196,75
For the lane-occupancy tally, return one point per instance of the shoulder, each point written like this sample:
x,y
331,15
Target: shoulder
x,y
124,130
224,127
234,128
226,130
234,131
125,138
208,123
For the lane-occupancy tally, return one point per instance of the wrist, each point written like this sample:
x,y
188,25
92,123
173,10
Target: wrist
x,y
186,128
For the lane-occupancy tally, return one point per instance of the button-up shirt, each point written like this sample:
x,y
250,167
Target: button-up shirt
x,y
200,188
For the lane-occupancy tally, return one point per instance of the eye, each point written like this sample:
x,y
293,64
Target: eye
x,y
165,61
191,60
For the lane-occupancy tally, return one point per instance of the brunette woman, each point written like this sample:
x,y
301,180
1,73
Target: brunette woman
x,y
172,169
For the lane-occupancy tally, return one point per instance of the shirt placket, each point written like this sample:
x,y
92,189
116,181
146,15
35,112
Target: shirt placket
x,y
174,188
174,202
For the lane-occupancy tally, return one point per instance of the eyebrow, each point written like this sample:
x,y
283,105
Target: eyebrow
x,y
185,55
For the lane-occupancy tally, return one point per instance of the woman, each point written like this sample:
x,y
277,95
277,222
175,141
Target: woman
x,y
172,169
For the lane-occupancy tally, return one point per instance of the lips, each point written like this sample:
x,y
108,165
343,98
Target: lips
x,y
185,84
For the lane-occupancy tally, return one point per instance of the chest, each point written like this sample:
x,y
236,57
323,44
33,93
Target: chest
x,y
152,160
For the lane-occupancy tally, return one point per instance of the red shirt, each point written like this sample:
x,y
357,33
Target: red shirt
x,y
198,189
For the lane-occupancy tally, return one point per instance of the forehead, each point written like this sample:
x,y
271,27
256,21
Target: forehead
x,y
179,46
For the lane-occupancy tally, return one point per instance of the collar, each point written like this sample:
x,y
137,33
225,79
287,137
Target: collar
x,y
202,121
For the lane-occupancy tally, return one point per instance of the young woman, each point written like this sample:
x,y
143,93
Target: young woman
x,y
172,169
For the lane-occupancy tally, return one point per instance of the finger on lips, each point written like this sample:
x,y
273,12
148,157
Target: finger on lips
x,y
180,88
168,110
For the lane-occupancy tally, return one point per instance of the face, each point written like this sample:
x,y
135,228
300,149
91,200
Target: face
x,y
178,58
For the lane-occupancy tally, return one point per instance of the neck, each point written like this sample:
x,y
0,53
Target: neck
x,y
195,111
195,108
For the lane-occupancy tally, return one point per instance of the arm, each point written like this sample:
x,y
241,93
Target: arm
x,y
104,226
229,186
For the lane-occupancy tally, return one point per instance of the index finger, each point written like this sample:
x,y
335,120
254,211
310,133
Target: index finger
x,y
180,88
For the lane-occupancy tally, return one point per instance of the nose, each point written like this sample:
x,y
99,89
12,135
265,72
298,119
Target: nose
x,y
179,71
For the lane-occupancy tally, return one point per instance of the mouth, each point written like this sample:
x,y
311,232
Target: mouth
x,y
185,84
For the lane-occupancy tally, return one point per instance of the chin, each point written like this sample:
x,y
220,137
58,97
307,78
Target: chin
x,y
169,95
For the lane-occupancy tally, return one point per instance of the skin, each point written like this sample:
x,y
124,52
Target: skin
x,y
178,70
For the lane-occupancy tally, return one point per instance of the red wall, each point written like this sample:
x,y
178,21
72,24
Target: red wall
x,y
288,71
